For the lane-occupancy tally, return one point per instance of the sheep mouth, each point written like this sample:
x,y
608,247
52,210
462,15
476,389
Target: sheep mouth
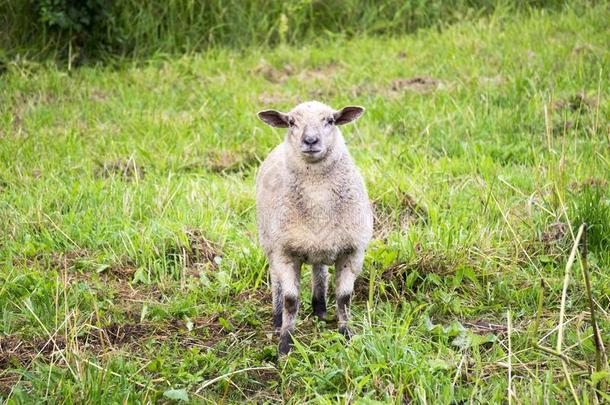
x,y
311,151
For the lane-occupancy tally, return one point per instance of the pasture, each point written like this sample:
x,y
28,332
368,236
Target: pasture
x,y
129,265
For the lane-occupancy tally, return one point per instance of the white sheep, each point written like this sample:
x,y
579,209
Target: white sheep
x,y
312,207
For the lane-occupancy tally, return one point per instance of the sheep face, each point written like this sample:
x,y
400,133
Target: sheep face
x,y
312,127
312,132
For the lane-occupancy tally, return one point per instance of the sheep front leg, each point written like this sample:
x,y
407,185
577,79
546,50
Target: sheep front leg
x,y
319,287
347,267
278,303
288,273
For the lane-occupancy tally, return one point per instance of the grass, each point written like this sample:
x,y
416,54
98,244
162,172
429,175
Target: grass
x,y
130,270
93,30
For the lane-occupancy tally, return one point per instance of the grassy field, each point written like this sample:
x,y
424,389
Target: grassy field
x,y
130,270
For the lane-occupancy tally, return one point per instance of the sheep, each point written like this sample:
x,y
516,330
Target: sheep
x,y
312,208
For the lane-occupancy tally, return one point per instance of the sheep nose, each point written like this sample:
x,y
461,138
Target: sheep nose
x,y
310,140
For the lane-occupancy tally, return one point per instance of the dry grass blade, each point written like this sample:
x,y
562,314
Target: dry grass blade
x,y
601,360
51,339
221,377
564,294
566,281
562,357
515,236
510,357
539,308
569,379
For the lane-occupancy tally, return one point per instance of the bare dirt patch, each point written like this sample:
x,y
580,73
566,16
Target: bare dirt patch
x,y
322,93
554,233
7,382
98,95
123,270
113,280
321,73
259,389
16,351
361,288
396,275
117,334
426,262
412,209
279,75
584,48
482,327
198,253
259,295
125,168
387,218
273,74
230,161
549,245
130,296
591,182
563,127
365,89
577,103
201,248
420,84
56,260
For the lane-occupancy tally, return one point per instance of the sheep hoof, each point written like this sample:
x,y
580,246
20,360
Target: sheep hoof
x,y
319,307
321,316
285,344
346,332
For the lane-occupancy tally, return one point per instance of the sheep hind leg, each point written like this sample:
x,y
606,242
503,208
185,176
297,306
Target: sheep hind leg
x,y
319,288
347,268
289,274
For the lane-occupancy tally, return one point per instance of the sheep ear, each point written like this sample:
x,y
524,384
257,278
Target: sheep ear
x,y
274,118
347,114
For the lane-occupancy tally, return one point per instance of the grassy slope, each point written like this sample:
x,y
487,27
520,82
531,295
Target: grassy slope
x,y
113,263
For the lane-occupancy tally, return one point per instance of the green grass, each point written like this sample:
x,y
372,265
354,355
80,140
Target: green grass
x,y
129,260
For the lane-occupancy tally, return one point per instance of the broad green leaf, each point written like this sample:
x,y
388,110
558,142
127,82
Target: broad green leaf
x,y
177,395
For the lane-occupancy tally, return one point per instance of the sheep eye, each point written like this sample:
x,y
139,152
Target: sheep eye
x,y
330,121
291,122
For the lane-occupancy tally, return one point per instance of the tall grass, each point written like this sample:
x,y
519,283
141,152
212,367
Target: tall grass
x,y
591,207
140,28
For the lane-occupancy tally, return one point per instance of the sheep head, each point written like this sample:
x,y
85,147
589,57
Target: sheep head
x,y
312,127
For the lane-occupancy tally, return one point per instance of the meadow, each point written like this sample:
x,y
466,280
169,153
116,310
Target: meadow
x,y
129,265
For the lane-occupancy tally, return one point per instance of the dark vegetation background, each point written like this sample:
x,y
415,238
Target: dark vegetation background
x,y
85,30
